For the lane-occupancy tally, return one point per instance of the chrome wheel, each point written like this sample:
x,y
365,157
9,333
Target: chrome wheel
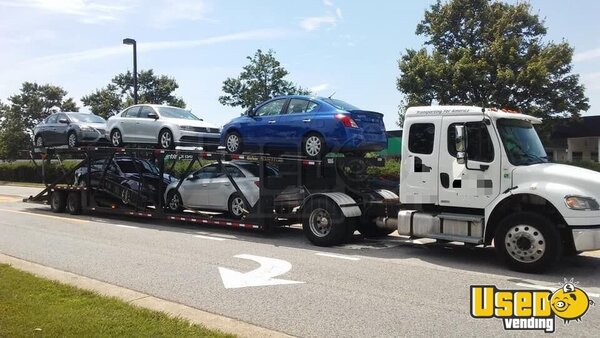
x,y
125,195
166,139
39,141
312,146
237,206
233,143
175,202
525,243
116,138
320,222
72,140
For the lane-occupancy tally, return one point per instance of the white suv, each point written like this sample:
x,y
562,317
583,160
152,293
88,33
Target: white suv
x,y
163,125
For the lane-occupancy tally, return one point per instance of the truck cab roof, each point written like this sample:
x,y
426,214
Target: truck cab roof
x,y
468,111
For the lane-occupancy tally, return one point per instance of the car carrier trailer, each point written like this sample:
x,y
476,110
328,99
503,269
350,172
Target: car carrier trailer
x,y
337,201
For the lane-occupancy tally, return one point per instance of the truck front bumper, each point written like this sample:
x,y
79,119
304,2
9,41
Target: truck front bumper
x,y
586,239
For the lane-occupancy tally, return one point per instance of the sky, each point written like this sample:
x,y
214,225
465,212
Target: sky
x,y
342,46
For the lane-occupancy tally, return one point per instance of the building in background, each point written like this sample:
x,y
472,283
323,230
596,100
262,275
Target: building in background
x,y
575,141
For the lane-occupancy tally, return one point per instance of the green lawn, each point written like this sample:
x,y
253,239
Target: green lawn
x,y
32,307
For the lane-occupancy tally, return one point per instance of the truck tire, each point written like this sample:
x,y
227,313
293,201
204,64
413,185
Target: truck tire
x,y
58,201
527,242
370,230
323,223
73,205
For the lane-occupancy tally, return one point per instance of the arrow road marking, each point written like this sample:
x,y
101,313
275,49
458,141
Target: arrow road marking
x,y
261,276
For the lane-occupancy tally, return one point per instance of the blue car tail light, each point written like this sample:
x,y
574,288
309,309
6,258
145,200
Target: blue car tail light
x,y
346,120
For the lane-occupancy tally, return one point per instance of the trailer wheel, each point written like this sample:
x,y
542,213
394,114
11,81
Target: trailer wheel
x,y
58,201
323,223
527,242
370,230
74,203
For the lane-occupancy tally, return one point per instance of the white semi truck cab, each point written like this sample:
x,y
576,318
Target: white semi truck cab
x,y
481,176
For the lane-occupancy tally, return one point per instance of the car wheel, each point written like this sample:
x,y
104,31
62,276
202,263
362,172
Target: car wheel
x,y
313,146
233,143
126,194
116,139
72,140
324,224
174,202
165,139
58,201
74,203
237,207
39,141
527,242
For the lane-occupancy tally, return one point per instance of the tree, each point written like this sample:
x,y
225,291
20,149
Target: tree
x,y
260,80
34,103
119,93
483,52
12,134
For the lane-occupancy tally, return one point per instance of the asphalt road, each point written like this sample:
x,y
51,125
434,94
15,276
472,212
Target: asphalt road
x,y
382,288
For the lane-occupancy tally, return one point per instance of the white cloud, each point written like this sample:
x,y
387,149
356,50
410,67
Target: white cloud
x,y
87,11
315,22
587,55
319,88
100,53
591,80
188,10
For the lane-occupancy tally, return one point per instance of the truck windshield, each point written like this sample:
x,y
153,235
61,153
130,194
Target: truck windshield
x,y
521,142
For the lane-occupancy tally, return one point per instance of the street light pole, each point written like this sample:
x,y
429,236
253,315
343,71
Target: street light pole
x,y
132,42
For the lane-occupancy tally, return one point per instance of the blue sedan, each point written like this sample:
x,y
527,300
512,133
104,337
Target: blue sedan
x,y
312,126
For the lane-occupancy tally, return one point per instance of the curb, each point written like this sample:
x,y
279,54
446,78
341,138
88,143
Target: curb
x,y
207,319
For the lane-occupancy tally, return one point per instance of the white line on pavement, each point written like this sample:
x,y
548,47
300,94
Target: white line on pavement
x,y
124,226
549,288
68,219
350,258
211,238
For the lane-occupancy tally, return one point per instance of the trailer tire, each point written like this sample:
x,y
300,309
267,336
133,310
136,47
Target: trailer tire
x,y
73,205
323,223
58,201
527,242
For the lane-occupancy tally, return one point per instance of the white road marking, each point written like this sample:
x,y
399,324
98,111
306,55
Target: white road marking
x,y
211,238
68,219
325,254
124,226
550,288
261,276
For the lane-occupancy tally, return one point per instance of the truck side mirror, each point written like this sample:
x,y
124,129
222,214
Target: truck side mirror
x,y
460,143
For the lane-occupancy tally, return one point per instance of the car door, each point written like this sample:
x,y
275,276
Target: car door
x,y
260,131
476,184
193,191
220,187
60,131
296,122
127,123
48,130
147,128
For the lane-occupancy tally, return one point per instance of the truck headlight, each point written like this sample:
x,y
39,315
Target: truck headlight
x,y
581,203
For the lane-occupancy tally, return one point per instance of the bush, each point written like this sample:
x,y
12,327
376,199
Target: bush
x,y
391,170
27,172
587,164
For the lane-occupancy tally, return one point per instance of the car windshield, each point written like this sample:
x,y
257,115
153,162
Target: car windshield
x,y
89,118
129,167
521,142
339,104
177,113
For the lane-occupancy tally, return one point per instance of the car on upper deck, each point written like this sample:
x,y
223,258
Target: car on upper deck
x,y
69,128
165,126
311,126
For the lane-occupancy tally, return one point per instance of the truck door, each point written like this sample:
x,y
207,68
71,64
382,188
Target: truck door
x,y
419,173
476,183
